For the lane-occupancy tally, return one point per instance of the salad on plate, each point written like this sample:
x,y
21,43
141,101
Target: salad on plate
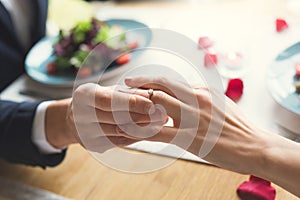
x,y
71,48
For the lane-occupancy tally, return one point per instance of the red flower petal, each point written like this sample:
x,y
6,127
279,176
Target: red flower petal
x,y
281,25
210,60
204,42
235,89
256,189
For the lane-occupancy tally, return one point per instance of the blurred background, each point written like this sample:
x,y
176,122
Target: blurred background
x,y
240,26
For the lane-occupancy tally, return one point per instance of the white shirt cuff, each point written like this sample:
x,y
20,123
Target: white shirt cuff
x,y
38,130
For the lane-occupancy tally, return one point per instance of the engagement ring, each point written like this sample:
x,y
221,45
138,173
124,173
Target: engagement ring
x,y
150,92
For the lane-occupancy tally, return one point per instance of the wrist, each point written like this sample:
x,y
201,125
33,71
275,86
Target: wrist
x,y
59,130
280,159
261,155
278,162
255,152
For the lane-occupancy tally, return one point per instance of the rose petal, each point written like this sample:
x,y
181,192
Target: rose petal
x,y
259,180
205,42
235,89
281,25
236,84
210,60
233,95
256,189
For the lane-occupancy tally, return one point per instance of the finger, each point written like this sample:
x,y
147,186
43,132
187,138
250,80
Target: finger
x,y
140,131
184,138
120,117
96,137
113,100
173,106
100,145
162,134
88,132
166,135
122,141
177,89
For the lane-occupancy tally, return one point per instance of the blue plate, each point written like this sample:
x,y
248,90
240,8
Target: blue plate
x,y
42,53
281,77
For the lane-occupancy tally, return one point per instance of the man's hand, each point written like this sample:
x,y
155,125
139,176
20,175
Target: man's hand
x,y
92,116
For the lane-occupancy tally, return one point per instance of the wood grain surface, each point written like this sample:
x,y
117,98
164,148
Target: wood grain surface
x,y
80,176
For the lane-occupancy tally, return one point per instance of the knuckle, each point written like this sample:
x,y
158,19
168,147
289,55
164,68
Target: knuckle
x,y
86,88
204,98
79,92
132,102
105,97
83,92
103,100
78,98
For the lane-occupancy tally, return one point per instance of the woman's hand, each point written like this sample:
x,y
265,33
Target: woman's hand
x,y
212,128
92,115
223,136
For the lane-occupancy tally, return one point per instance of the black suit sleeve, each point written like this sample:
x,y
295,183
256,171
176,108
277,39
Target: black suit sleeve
x,y
16,146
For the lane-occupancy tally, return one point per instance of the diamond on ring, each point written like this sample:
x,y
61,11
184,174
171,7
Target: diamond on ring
x,y
150,92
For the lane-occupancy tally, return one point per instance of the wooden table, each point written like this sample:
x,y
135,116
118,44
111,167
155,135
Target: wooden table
x,y
80,176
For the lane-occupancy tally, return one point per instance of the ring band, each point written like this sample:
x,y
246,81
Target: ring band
x,y
150,92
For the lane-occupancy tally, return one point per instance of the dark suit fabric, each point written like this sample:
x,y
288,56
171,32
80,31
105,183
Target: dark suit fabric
x,y
16,119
